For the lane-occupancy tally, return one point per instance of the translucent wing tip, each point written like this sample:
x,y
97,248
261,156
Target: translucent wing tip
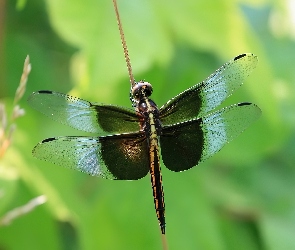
x,y
31,96
249,58
253,108
249,55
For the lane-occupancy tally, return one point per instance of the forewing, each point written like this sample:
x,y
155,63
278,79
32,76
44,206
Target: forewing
x,y
198,100
84,115
187,144
117,157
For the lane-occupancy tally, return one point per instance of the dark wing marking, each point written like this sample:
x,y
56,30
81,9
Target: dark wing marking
x,y
126,155
198,100
117,157
187,144
84,115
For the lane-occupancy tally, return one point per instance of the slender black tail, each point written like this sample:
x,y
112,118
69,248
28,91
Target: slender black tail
x,y
158,193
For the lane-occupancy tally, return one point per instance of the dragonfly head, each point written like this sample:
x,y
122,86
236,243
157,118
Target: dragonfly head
x,y
141,90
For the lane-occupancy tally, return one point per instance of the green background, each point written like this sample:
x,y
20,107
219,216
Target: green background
x,y
242,198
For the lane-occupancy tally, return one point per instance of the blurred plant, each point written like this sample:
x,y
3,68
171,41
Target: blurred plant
x,y
18,211
8,127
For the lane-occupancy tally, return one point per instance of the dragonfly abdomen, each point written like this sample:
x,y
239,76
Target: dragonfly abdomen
x,y
153,130
156,180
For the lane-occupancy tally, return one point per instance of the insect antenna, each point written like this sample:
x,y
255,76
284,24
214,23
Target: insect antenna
x,y
127,59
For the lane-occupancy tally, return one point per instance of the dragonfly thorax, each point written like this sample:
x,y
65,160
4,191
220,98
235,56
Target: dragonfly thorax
x,y
146,106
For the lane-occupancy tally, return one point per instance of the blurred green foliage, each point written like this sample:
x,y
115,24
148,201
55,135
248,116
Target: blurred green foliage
x,y
242,198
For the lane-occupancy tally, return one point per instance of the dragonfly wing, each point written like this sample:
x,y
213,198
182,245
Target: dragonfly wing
x,y
187,144
117,157
201,98
84,115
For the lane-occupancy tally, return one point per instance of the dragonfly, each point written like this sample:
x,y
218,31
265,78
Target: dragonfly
x,y
129,142
183,128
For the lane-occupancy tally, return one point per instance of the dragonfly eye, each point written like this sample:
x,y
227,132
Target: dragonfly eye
x,y
142,89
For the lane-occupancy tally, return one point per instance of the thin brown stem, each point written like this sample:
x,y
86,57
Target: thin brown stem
x,y
164,242
127,59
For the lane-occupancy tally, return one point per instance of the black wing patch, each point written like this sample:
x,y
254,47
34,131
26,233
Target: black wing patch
x,y
202,98
117,157
84,115
187,144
